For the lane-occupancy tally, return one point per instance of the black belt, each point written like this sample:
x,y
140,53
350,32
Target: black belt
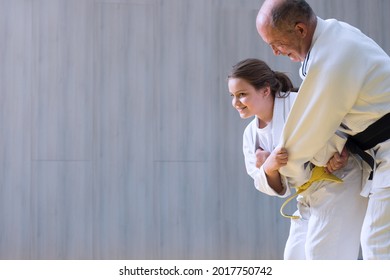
x,y
376,133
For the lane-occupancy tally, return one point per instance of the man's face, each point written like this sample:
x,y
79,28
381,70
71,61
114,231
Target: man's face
x,y
288,43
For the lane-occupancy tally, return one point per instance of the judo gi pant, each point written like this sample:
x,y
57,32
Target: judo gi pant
x,y
376,228
331,218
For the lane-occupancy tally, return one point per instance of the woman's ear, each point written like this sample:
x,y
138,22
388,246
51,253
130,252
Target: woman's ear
x,y
267,90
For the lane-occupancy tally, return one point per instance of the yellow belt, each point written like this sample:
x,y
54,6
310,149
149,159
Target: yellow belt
x,y
318,174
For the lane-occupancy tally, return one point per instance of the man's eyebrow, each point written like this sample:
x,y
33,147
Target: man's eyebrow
x,y
277,42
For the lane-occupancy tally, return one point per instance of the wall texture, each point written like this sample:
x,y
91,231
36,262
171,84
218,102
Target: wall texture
x,y
118,139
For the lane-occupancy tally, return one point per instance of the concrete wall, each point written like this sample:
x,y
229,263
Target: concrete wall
x,y
118,139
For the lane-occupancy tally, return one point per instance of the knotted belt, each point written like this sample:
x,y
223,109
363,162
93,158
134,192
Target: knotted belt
x,y
376,133
318,174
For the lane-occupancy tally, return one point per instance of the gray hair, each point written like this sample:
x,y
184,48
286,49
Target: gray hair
x,y
286,14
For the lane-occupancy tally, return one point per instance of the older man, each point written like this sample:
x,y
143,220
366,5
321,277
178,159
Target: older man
x,y
346,86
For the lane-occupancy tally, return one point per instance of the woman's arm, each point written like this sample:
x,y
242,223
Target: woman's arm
x,y
338,161
276,159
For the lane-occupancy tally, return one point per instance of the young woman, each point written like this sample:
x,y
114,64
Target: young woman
x,y
329,215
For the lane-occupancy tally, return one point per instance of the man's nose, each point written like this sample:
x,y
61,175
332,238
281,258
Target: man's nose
x,y
275,51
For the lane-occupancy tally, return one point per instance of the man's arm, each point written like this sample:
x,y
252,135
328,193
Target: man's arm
x,y
325,97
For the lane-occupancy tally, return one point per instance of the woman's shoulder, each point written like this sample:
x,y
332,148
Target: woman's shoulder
x,y
288,97
293,95
250,129
251,126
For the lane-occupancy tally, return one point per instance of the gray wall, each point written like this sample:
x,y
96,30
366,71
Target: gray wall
x,y
118,140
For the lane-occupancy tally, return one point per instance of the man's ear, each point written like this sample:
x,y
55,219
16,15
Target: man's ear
x,y
301,29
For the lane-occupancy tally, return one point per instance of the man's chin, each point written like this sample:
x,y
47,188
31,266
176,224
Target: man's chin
x,y
294,58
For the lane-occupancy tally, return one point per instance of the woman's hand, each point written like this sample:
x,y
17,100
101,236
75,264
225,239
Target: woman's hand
x,y
338,161
261,157
276,159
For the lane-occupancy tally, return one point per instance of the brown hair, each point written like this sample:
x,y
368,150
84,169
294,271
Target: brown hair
x,y
257,73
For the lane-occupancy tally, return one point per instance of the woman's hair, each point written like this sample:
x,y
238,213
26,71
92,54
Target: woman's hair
x,y
257,73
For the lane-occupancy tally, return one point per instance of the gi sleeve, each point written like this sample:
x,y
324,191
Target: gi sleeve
x,y
327,94
258,175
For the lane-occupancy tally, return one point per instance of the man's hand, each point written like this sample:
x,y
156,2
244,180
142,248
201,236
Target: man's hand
x,y
338,161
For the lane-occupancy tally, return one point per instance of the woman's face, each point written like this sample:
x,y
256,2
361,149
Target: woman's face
x,y
250,102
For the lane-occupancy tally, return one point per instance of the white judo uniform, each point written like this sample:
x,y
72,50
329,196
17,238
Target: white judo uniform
x,y
331,214
346,81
